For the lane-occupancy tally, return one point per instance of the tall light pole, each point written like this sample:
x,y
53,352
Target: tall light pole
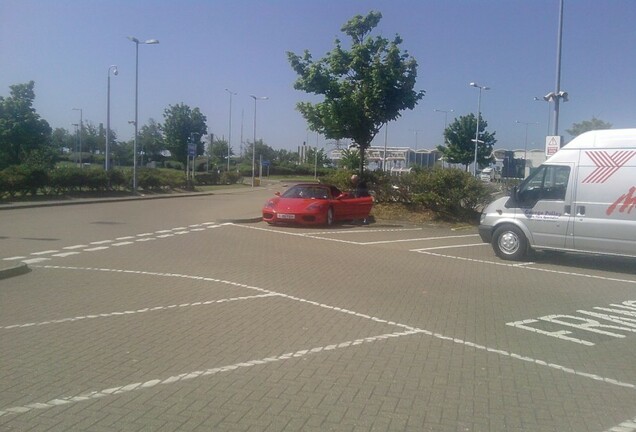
x,y
114,70
137,42
254,142
445,116
472,84
525,146
81,128
229,139
557,92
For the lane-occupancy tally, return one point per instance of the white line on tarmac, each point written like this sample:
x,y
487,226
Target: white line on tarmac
x,y
408,330
419,239
626,426
14,258
136,311
91,395
449,247
525,267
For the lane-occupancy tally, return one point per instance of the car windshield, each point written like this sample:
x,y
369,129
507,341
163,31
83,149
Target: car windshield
x,y
307,192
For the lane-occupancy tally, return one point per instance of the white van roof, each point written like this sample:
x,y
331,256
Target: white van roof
x,y
607,138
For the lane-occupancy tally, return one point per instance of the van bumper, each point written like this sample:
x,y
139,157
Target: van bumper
x,y
485,232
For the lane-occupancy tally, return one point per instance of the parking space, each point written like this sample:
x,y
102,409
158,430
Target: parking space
x,y
223,326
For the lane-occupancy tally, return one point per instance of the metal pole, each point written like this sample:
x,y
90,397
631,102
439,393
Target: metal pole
x,y
477,131
555,125
229,139
136,115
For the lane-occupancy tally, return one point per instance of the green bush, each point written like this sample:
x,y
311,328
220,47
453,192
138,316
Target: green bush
x,y
451,193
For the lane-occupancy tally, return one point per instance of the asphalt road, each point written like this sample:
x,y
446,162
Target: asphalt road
x,y
187,315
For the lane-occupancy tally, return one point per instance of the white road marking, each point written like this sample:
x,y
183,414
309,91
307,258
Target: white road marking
x,y
138,311
101,242
418,239
448,247
35,260
406,327
524,267
65,254
123,243
14,258
44,252
626,426
91,395
75,247
98,248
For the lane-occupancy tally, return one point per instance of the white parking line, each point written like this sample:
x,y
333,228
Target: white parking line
x,y
626,426
448,247
525,267
137,311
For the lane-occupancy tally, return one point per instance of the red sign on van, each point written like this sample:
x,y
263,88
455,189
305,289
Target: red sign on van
x,y
627,200
607,164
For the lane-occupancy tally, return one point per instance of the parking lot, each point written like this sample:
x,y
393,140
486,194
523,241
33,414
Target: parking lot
x,y
217,325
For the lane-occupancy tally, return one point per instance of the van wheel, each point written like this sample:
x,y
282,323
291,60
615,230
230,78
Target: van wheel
x,y
509,243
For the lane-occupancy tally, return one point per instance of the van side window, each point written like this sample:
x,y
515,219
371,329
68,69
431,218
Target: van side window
x,y
549,182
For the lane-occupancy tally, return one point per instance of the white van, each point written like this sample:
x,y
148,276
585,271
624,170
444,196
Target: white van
x,y
582,199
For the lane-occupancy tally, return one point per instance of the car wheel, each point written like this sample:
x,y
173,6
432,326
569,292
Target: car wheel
x,y
329,216
509,243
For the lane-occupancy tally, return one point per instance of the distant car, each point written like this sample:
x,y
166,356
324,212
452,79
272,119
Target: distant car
x,y
315,204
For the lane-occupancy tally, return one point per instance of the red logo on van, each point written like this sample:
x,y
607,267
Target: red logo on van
x,y
606,164
626,201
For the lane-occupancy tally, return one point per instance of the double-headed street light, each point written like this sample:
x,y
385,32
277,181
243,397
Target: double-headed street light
x,y
254,142
114,70
137,42
472,84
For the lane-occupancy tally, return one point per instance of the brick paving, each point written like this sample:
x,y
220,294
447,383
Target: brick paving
x,y
251,328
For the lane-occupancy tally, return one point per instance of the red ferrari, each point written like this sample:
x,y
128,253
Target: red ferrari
x,y
315,204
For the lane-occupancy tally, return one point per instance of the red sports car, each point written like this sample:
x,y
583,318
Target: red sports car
x,y
315,204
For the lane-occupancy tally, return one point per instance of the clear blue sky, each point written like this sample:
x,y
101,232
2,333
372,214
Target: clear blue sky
x,y
66,47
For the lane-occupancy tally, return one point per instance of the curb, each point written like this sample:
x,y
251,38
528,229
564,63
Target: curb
x,y
16,270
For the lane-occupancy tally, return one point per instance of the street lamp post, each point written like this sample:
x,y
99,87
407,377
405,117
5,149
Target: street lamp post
x,y
472,84
137,42
114,70
445,115
525,146
254,142
81,127
229,139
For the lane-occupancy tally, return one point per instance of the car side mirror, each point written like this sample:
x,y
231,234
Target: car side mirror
x,y
277,193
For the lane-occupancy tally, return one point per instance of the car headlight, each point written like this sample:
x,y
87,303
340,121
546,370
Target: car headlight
x,y
269,204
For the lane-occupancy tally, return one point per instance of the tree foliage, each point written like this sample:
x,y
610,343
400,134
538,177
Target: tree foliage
x,y
460,145
587,125
181,124
22,131
363,88
150,141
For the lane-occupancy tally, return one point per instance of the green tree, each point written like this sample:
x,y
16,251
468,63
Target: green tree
x,y
150,141
181,124
460,144
22,131
350,159
363,88
587,125
218,152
